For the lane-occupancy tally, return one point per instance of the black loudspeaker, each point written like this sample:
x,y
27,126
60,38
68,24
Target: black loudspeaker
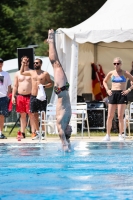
x,y
80,99
96,114
96,119
29,52
96,104
87,96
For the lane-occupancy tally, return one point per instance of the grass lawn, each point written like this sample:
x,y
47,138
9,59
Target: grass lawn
x,y
7,130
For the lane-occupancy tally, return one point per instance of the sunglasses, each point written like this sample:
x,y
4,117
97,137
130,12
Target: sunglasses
x,y
36,63
1,61
116,63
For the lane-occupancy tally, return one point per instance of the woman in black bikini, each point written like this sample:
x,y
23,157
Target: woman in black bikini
x,y
63,106
117,96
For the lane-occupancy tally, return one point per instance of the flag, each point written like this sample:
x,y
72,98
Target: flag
x,y
101,76
97,82
96,90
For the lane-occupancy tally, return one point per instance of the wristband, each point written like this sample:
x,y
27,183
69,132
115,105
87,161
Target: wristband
x,y
129,89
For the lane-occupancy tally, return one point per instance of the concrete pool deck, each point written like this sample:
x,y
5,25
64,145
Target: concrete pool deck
x,y
56,139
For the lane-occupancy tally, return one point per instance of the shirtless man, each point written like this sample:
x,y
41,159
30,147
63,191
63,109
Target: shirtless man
x,y
22,86
63,107
38,77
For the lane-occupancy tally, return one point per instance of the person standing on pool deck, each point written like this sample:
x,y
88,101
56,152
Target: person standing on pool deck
x,y
63,106
22,86
38,78
117,96
5,90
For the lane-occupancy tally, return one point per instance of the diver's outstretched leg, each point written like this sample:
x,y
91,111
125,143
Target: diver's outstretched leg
x,y
63,101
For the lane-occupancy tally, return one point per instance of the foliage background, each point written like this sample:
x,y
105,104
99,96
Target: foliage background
x,y
26,22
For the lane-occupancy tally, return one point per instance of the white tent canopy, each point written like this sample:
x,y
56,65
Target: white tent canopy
x,y
113,22
101,38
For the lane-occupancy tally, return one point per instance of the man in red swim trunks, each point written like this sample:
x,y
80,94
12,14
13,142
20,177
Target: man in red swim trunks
x,y
22,86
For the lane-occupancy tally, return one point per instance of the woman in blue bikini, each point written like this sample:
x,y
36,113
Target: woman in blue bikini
x,y
117,96
63,106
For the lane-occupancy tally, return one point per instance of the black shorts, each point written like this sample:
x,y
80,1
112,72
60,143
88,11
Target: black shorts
x,y
37,105
117,98
4,106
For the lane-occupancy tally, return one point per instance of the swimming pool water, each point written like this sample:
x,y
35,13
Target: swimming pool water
x,y
101,171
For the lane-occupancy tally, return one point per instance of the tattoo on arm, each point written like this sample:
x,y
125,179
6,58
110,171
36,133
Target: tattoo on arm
x,y
55,61
51,36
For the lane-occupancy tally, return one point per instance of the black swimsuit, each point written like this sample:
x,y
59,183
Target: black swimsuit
x,y
58,90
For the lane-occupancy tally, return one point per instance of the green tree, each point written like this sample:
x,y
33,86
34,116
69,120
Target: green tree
x,y
37,14
55,14
25,22
69,13
13,27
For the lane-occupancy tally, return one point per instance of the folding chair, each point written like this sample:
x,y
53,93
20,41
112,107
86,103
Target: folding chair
x,y
128,119
79,115
79,110
48,118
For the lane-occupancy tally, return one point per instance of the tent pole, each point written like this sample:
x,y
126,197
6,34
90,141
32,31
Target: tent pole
x,y
74,80
95,53
74,72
